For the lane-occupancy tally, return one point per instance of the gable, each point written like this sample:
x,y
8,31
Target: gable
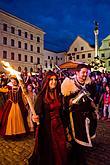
x,y
107,38
78,43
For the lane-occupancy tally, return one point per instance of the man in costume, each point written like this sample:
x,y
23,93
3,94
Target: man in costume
x,y
81,112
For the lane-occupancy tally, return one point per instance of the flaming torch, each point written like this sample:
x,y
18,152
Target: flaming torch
x,y
9,68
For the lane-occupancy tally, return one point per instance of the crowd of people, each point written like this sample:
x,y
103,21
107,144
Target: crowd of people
x,y
66,112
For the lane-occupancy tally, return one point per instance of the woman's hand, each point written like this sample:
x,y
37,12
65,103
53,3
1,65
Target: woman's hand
x,y
35,118
69,137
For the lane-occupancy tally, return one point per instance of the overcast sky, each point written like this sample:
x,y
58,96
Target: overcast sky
x,y
63,20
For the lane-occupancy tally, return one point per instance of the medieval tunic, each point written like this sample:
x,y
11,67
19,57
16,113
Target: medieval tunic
x,y
14,116
81,117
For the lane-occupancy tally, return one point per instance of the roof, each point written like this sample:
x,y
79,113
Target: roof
x,y
10,15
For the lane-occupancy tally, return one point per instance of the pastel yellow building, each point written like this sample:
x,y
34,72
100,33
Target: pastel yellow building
x,y
81,50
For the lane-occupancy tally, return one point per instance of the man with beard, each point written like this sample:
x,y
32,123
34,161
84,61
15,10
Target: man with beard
x,y
81,113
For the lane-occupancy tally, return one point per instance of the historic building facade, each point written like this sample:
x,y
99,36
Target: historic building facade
x,y
80,50
52,58
21,43
104,52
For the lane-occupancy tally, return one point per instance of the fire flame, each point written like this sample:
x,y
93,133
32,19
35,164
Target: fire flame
x,y
9,68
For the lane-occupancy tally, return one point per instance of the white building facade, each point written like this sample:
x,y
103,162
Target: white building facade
x,y
80,50
21,43
52,58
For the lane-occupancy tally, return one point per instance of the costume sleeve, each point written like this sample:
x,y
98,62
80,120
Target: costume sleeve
x,y
4,89
66,112
38,105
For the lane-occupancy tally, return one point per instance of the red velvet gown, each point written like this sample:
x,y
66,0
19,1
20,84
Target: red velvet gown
x,y
14,116
50,147
57,132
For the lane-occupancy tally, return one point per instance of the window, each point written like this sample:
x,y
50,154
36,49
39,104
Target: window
x,y
12,42
31,36
19,69
12,30
25,46
38,39
109,44
38,60
70,57
77,56
5,27
83,55
5,40
19,44
25,69
25,58
12,56
19,57
102,55
89,55
48,57
51,58
5,54
19,32
46,64
69,54
82,48
31,58
108,63
25,34
38,49
31,69
50,64
75,49
31,47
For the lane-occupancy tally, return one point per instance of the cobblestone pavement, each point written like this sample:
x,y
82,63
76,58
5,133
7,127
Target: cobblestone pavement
x,y
16,151
99,154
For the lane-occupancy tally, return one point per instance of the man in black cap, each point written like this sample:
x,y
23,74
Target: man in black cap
x,y
80,112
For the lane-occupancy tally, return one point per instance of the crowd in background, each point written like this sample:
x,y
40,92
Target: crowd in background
x,y
100,88
44,91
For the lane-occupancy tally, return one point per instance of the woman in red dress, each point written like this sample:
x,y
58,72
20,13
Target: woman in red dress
x,y
50,143
13,120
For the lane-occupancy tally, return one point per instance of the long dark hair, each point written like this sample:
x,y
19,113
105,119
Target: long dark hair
x,y
45,90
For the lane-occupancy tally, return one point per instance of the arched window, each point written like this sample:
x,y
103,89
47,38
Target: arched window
x,y
25,69
19,69
31,69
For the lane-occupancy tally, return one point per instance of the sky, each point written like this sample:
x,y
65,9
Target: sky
x,y
63,20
